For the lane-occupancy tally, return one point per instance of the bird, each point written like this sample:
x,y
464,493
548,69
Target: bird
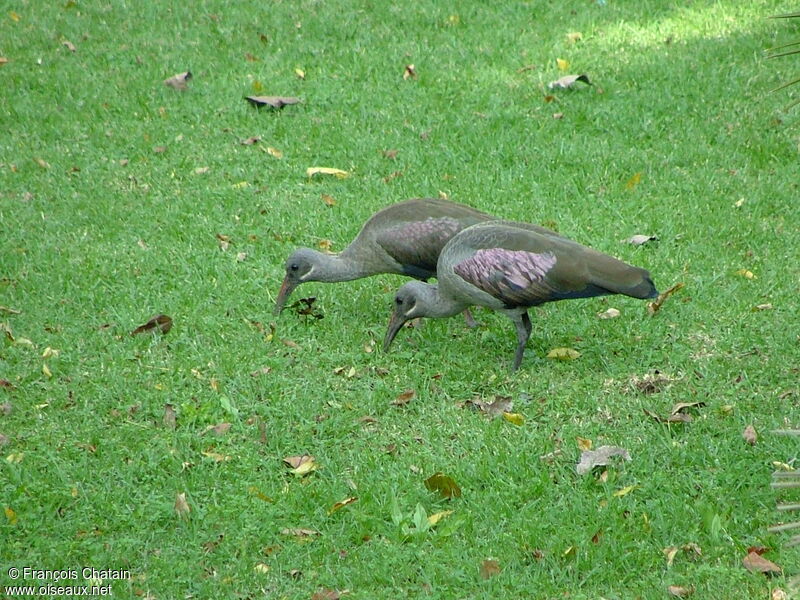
x,y
509,267
404,238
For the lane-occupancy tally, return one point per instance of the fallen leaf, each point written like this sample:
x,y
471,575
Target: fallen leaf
x,y
14,16
301,464
624,491
325,594
758,564
261,568
170,418
409,72
655,306
489,568
161,323
15,458
261,371
182,506
300,533
567,81
583,443
272,101
46,371
201,170
251,141
215,456
404,398
766,306
639,239
274,152
69,45
495,408
11,516
574,36
340,504
220,429
390,154
669,554
311,171
300,73
610,313
10,311
179,81
514,418
50,352
680,591
633,181
241,256
563,354
3,60
328,200
224,241
750,436
562,64
250,57
444,485
558,115
682,406
672,418
5,407
42,163
436,517
779,594
600,457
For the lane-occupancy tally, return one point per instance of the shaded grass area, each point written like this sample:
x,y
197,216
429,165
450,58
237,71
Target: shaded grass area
x,y
92,247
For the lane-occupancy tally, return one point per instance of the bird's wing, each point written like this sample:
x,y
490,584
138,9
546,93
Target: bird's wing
x,y
515,277
416,245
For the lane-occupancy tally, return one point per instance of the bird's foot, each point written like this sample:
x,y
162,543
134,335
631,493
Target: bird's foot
x,y
471,322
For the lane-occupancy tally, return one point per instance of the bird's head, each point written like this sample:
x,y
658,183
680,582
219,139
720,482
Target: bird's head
x,y
299,269
410,301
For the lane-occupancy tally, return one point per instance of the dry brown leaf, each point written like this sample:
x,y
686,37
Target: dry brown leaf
x,y
215,456
758,307
639,239
6,408
390,154
42,163
300,533
655,306
201,170
495,408
672,418
404,398
261,371
3,60
179,81
558,115
600,457
583,443
224,241
219,429
159,149
170,418
160,323
325,594
182,506
610,313
444,485
574,36
409,72
749,435
669,554
758,564
489,568
261,568
302,464
567,81
328,200
682,406
251,141
10,311
250,57
272,101
69,45
680,591
779,594
341,504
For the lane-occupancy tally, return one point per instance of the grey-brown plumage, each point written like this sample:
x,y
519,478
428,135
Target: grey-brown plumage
x,y
509,267
405,238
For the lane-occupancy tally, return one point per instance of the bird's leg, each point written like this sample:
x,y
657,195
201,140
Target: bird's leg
x,y
471,322
523,324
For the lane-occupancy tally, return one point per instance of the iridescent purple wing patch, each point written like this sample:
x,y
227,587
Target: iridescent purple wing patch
x,y
516,277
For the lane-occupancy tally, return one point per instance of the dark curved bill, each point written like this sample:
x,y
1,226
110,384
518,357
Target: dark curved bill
x,y
395,324
287,287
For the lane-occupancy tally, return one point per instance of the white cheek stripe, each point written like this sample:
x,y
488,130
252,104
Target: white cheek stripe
x,y
307,275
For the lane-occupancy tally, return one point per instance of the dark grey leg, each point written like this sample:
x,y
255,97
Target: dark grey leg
x,y
523,325
471,322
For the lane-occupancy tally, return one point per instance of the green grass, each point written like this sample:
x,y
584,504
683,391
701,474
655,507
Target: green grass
x,y
683,103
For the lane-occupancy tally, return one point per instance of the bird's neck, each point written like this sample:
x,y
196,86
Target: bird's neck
x,y
331,268
439,305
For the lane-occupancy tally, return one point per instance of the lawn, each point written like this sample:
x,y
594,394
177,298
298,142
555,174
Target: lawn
x,y
122,198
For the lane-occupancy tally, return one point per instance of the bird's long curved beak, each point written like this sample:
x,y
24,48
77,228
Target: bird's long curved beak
x,y
287,287
395,324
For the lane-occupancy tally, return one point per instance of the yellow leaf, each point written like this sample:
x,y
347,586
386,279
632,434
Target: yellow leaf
x,y
745,273
583,443
214,383
436,517
261,568
259,494
274,152
563,354
302,464
10,515
258,86
782,466
562,64
514,418
341,504
633,181
325,245
241,184
311,171
15,457
216,456
669,554
48,352
300,73
14,16
328,200
574,36
74,492
625,491
46,371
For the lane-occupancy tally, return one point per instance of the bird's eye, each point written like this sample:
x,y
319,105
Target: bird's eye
x,y
293,267
398,301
